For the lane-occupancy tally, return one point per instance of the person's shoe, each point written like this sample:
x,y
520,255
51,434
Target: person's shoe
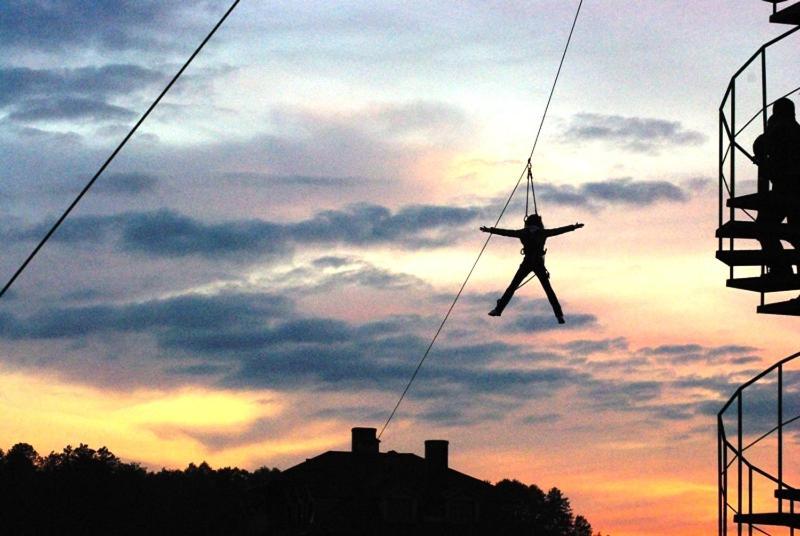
x,y
561,320
496,311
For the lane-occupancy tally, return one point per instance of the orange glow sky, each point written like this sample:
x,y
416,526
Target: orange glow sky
x,y
263,265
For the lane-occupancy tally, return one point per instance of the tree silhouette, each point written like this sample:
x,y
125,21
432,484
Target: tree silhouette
x,y
558,519
581,527
86,491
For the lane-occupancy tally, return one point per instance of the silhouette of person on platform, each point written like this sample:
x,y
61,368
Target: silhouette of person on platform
x,y
533,237
777,154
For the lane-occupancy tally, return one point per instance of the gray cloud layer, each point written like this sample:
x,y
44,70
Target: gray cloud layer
x,y
67,24
639,134
69,94
624,191
260,340
169,234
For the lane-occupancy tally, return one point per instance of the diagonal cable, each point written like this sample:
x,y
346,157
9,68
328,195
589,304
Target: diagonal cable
x,y
114,154
486,243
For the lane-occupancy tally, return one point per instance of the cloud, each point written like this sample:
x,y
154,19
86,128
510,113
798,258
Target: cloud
x,y
304,181
428,118
166,233
75,24
31,95
264,342
587,347
623,191
334,273
68,108
260,340
638,134
695,353
132,183
187,312
538,316
21,83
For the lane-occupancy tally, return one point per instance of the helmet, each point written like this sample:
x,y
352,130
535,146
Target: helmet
x,y
533,219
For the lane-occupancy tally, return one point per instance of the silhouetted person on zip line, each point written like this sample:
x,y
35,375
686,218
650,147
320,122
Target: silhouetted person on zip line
x,y
533,237
777,154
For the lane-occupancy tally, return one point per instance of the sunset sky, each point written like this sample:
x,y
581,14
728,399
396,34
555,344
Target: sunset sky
x,y
263,265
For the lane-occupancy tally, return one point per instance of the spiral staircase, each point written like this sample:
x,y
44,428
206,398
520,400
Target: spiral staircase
x,y
739,202
758,492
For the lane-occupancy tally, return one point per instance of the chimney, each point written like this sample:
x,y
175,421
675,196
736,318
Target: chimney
x,y
436,455
364,441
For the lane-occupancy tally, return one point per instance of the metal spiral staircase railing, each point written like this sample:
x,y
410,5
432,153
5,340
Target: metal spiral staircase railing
x,y
749,495
757,490
733,202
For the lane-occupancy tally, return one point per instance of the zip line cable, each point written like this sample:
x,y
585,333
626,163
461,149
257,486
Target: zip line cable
x,y
114,154
486,243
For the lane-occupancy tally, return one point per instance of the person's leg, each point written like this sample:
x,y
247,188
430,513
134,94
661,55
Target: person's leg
x,y
793,219
523,270
770,217
544,279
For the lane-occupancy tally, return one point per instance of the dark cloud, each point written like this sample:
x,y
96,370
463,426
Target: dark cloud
x,y
30,95
623,191
68,108
587,347
533,322
65,24
18,84
132,183
259,340
40,95
640,134
180,314
546,418
728,349
166,233
623,394
265,343
694,353
673,349
169,234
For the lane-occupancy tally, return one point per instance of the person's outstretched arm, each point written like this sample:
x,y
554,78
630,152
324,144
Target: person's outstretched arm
x,y
561,230
516,233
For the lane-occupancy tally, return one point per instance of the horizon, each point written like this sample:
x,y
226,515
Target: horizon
x,y
264,264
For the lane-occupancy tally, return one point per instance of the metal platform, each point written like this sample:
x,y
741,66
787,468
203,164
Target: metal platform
x,y
787,15
768,200
759,257
765,283
778,519
788,494
785,308
754,230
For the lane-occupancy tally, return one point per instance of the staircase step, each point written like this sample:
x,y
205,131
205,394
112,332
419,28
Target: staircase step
x,y
787,308
761,201
751,229
782,519
758,257
788,494
787,15
765,283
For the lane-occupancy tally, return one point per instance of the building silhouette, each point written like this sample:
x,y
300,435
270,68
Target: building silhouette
x,y
367,492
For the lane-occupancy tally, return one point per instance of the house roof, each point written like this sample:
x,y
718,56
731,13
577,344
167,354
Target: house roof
x,y
341,474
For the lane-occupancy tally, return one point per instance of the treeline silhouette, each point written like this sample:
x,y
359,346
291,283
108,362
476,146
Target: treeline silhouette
x,y
86,491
